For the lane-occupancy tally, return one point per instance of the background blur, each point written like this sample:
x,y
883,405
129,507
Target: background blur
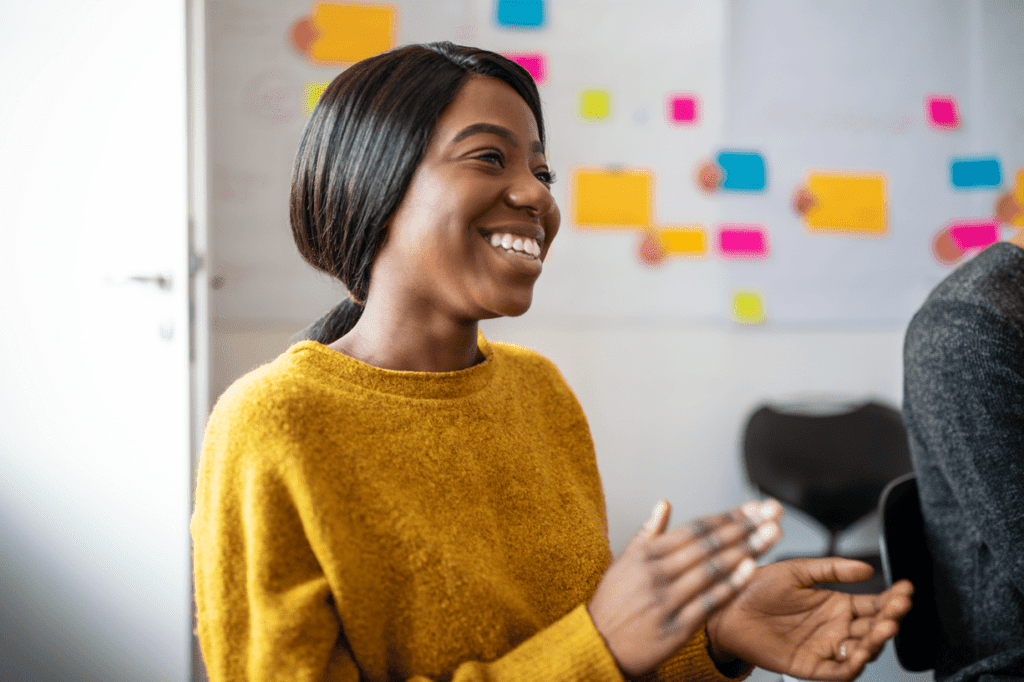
x,y
146,259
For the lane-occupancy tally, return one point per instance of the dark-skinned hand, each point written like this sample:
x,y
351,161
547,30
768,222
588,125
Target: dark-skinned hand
x,y
780,622
666,583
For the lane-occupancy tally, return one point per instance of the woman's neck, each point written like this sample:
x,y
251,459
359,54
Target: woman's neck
x,y
393,340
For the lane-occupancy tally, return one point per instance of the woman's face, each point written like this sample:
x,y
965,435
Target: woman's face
x,y
477,220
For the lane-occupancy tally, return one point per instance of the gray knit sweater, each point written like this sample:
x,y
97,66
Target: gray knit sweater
x,y
964,409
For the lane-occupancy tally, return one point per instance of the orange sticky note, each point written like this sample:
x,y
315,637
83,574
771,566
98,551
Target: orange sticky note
x,y
848,202
604,198
349,32
683,240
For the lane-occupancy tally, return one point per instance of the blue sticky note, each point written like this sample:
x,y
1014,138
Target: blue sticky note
x,y
744,171
975,172
521,13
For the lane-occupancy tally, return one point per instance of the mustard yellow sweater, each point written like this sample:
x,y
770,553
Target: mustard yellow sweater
x,y
354,523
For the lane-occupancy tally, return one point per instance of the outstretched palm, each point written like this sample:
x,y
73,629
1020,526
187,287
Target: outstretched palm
x,y
781,622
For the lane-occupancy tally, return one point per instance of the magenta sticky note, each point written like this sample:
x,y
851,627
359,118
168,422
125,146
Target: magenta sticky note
x,y
974,234
534,62
682,108
942,111
743,241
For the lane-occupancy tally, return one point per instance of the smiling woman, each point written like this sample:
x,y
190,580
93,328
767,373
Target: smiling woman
x,y
397,498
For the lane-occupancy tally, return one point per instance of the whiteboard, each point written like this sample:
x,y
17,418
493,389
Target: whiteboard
x,y
824,85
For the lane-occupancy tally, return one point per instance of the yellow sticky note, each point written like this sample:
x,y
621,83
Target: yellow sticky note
x,y
1019,196
686,241
747,307
612,198
847,202
595,104
312,94
348,33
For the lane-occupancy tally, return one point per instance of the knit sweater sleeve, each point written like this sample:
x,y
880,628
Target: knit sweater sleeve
x,y
964,378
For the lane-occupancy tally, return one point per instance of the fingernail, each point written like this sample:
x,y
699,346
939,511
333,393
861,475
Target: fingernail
x,y
743,571
763,536
656,513
769,510
752,510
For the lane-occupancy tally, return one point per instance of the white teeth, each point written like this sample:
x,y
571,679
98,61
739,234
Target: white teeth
x,y
515,243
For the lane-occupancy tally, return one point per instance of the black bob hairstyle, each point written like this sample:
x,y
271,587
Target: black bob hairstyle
x,y
358,153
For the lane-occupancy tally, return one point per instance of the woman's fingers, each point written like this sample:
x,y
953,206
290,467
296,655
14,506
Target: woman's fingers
x,y
710,534
693,607
697,567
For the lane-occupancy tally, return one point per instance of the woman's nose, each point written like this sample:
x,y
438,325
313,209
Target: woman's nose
x,y
528,193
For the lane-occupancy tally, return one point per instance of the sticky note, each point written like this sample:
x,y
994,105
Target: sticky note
x,y
682,108
312,94
942,111
595,104
602,198
520,13
743,241
975,172
683,240
847,202
744,171
534,62
974,234
747,307
343,33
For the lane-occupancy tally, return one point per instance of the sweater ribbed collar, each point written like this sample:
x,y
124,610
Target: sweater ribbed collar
x,y
429,385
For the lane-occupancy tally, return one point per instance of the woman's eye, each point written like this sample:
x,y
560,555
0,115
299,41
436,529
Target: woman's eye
x,y
492,157
546,176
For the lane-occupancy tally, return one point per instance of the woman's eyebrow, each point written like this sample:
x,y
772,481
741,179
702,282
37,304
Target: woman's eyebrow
x,y
500,131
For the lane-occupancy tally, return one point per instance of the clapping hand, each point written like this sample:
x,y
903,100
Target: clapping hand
x,y
782,623
666,583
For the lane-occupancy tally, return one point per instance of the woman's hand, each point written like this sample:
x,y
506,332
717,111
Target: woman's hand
x,y
665,584
782,623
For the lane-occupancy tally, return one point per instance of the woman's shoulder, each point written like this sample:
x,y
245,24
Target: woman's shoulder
x,y
524,359
273,401
286,378
532,372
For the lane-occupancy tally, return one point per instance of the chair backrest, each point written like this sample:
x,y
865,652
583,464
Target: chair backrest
x,y
833,466
905,555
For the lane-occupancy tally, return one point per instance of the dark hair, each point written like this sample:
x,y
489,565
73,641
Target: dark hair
x,y
360,148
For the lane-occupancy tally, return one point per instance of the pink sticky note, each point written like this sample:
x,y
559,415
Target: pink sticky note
x,y
534,62
682,108
743,241
971,234
942,111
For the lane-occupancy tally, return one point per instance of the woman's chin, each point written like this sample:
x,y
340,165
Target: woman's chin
x,y
513,307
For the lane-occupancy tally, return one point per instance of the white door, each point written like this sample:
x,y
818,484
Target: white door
x,y
94,341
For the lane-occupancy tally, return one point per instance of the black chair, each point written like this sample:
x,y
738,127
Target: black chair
x,y
829,462
905,555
